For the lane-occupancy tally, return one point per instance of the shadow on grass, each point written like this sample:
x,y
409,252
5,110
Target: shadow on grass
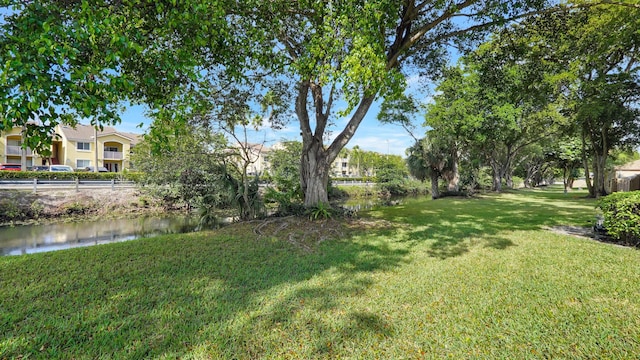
x,y
222,296
232,294
450,226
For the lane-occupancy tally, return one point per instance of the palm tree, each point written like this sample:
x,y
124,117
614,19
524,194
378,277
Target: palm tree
x,y
428,159
356,158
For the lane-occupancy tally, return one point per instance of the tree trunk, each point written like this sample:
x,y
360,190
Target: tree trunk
x,y
585,163
247,210
316,159
570,177
497,176
497,182
599,175
509,178
455,173
314,176
435,193
599,162
507,171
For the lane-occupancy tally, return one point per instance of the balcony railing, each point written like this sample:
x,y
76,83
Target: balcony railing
x,y
17,150
113,155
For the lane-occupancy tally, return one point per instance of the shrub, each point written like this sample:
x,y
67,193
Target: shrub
x,y
321,211
77,208
9,210
61,175
621,213
416,187
354,192
36,209
287,202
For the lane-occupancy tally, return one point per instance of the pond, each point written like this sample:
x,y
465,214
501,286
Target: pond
x,y
28,239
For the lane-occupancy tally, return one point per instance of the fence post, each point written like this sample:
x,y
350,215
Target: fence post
x,y
113,184
77,183
35,186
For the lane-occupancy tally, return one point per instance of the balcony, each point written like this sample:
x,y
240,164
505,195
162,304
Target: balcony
x,y
113,155
17,150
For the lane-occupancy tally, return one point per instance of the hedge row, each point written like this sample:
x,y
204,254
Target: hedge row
x,y
60,175
621,211
352,179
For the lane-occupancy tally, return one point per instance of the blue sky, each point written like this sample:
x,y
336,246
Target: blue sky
x,y
371,135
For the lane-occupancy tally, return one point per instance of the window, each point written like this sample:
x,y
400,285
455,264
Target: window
x,y
83,146
111,148
80,164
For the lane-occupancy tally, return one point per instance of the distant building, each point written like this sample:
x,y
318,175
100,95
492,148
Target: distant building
x,y
11,148
625,177
257,155
76,147
260,163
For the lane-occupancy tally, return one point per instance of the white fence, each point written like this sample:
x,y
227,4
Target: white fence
x,y
76,184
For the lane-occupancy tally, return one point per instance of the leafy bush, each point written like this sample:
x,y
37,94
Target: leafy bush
x,y
78,208
287,202
416,187
321,211
621,213
9,210
354,192
353,179
474,178
517,182
60,175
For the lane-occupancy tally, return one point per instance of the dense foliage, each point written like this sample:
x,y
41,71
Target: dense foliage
x,y
621,213
66,61
193,171
557,90
81,175
284,175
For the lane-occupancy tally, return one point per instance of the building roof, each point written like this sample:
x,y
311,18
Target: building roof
x,y
632,166
86,132
253,148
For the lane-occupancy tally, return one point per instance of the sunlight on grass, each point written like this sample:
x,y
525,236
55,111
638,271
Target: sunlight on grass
x,y
458,278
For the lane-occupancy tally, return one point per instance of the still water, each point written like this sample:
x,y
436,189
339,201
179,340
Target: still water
x,y
30,239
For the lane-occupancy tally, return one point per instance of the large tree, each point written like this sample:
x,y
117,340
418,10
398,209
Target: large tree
x,y
596,49
80,58
359,51
454,118
65,61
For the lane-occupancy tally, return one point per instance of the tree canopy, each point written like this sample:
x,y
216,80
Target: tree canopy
x,y
320,63
72,60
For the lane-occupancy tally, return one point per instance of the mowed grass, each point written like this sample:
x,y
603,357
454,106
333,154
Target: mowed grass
x,y
457,278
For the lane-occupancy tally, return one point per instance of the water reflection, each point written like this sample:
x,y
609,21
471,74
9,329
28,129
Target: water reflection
x,y
39,238
362,204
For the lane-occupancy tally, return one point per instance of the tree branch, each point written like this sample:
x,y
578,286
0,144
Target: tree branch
x,y
347,133
301,110
318,102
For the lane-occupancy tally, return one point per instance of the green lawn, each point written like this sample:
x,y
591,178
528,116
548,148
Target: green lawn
x,y
458,278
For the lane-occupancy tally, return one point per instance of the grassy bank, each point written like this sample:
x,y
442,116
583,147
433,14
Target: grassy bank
x,y
60,205
464,278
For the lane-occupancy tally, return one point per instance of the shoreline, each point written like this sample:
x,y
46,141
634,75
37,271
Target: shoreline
x,y
22,207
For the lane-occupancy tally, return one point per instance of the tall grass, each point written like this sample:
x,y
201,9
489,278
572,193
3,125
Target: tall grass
x,y
459,278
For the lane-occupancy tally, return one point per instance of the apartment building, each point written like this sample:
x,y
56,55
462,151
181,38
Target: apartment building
x,y
78,147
